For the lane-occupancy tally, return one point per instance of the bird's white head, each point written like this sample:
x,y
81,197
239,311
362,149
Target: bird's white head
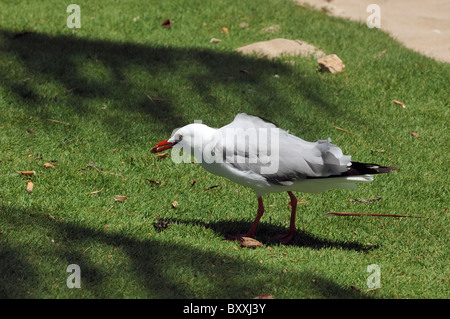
x,y
192,138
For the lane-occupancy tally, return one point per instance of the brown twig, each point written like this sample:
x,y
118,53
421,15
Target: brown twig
x,y
155,99
369,214
365,200
65,123
211,187
341,129
403,105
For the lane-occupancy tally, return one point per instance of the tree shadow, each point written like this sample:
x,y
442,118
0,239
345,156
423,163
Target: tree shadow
x,y
138,78
16,273
75,73
154,265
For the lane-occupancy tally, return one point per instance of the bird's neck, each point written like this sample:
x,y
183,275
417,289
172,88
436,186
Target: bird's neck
x,y
205,139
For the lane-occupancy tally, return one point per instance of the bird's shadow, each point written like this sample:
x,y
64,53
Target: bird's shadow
x,y
265,233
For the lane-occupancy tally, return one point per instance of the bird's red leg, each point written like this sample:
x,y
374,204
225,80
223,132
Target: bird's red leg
x,y
251,232
286,238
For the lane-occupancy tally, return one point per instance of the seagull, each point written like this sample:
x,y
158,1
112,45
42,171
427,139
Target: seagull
x,y
255,153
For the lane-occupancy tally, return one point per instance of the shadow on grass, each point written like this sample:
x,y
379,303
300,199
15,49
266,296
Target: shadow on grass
x,y
265,232
163,269
152,80
73,73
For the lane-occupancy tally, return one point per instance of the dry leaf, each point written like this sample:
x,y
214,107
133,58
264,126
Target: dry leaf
x,y
120,198
415,134
249,242
27,173
31,131
48,165
400,103
174,204
153,181
225,30
193,181
214,40
167,23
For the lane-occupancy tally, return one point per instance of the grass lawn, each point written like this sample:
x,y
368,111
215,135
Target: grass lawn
x,y
93,101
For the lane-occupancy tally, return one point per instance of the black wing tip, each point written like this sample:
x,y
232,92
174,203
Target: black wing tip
x,y
358,168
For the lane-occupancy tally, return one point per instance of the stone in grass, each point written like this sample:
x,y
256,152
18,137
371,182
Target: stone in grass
x,y
331,64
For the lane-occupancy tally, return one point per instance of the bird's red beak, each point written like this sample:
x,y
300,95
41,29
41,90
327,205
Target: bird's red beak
x,y
162,146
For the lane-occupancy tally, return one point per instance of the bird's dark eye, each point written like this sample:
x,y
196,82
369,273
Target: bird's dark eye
x,y
180,137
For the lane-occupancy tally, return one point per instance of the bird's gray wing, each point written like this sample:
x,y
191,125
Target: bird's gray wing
x,y
253,145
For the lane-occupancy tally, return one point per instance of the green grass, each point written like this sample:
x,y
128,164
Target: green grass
x,y
94,82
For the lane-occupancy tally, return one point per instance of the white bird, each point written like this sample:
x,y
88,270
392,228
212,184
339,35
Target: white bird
x,y
255,153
